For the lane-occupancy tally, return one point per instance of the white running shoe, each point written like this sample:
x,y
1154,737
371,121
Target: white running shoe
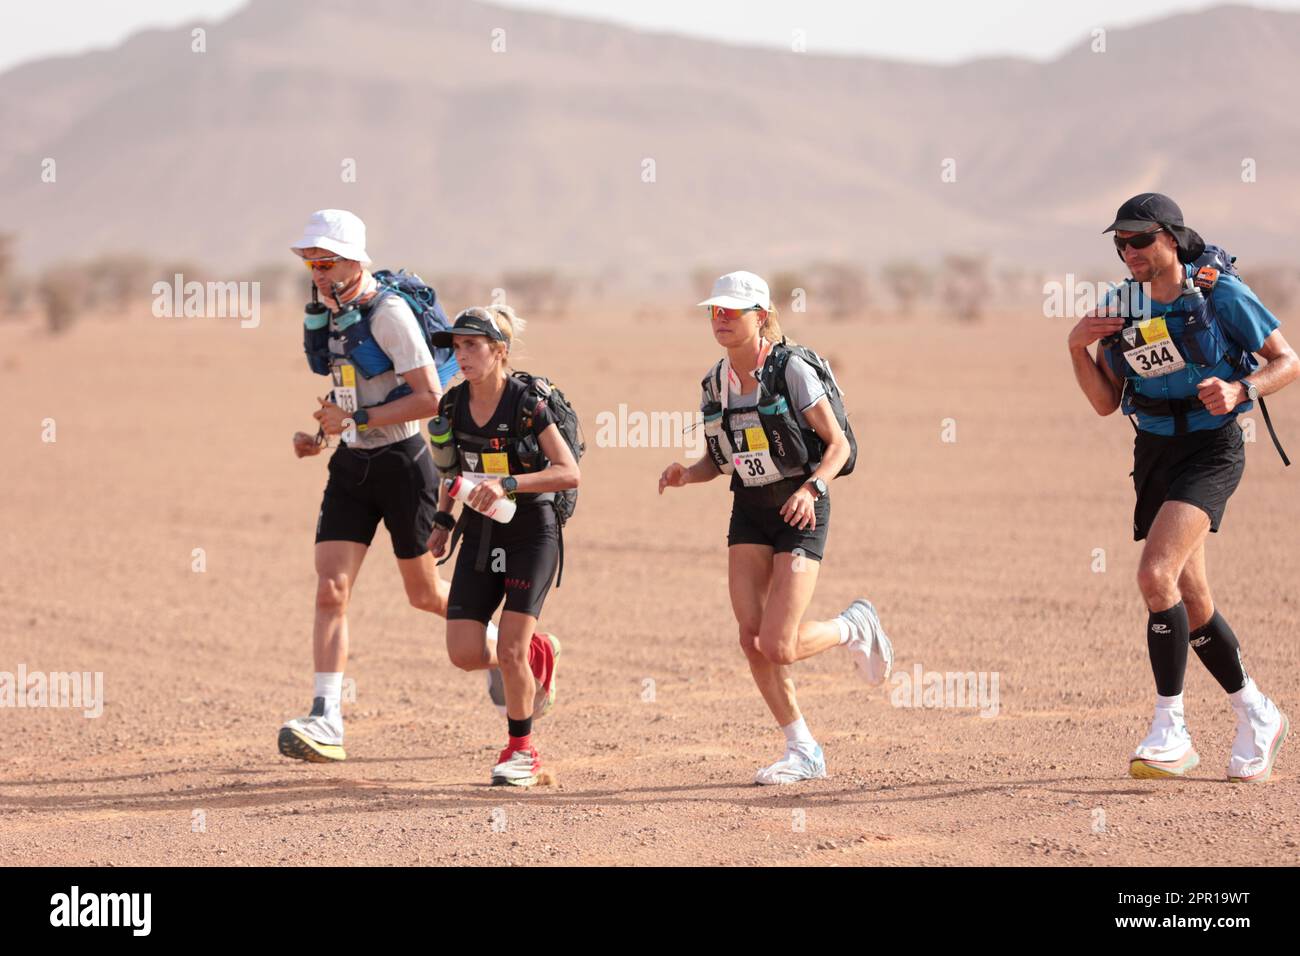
x,y
873,655
796,765
1167,750
517,768
1261,731
315,738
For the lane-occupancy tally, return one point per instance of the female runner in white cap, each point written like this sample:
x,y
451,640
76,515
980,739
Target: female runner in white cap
x,y
780,508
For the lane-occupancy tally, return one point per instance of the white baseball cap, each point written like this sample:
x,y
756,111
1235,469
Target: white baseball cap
x,y
337,230
740,290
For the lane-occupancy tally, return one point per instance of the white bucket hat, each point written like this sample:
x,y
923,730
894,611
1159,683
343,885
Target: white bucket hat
x,y
740,290
337,230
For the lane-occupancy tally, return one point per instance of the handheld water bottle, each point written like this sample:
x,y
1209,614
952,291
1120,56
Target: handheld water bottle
x,y
460,487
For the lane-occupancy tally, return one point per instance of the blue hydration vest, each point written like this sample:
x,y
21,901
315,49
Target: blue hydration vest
x,y
1202,340
359,345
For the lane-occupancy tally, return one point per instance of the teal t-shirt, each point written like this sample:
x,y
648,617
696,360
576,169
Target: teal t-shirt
x,y
1241,316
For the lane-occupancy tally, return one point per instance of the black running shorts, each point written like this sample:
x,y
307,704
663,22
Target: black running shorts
x,y
756,519
520,563
397,483
1201,468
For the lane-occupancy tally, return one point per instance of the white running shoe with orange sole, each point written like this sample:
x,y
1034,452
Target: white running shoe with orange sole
x,y
1261,730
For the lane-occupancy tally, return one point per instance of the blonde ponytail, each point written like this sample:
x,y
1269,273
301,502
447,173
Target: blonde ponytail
x,y
771,327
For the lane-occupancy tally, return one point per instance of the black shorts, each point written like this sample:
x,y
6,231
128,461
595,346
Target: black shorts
x,y
521,559
756,519
397,483
1201,468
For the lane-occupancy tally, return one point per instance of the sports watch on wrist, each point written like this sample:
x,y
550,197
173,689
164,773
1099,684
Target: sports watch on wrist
x,y
1252,392
509,483
819,487
361,418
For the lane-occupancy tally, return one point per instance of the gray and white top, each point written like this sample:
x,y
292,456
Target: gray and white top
x,y
398,333
804,388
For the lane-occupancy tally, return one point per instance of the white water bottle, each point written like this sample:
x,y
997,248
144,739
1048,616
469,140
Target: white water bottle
x,y
460,487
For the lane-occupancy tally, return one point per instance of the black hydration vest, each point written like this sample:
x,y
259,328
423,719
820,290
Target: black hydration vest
x,y
523,454
771,424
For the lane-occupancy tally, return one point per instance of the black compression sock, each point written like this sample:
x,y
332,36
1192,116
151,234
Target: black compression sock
x,y
1167,648
520,728
1219,651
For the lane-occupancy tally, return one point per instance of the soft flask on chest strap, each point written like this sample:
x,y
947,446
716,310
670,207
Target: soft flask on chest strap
x,y
442,446
784,437
715,438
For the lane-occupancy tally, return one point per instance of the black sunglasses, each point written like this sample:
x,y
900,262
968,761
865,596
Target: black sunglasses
x,y
1140,241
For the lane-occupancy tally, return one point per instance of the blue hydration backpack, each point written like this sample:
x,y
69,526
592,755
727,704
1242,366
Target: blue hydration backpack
x,y
428,313
1203,341
359,345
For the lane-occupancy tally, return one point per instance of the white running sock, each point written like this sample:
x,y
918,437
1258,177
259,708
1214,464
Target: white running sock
x,y
1169,703
845,630
329,684
797,735
1248,696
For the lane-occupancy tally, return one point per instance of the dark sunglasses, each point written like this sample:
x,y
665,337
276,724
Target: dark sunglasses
x,y
1140,241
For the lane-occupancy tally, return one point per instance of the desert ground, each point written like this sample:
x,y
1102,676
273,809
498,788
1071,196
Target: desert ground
x,y
981,553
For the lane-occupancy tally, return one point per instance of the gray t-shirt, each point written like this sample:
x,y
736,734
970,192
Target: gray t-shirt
x,y
398,333
804,388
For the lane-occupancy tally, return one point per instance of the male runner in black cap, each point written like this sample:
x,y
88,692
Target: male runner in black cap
x,y
1187,371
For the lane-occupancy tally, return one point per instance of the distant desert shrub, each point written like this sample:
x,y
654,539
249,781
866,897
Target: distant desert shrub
x,y
908,283
6,256
458,290
538,292
842,289
12,291
783,286
115,282
966,286
62,290
281,282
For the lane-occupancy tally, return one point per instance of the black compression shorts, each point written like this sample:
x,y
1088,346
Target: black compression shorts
x,y
520,563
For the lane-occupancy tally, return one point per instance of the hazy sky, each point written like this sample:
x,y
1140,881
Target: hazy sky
x,y
933,30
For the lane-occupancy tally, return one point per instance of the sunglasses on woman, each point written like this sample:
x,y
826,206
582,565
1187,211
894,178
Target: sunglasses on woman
x,y
1140,241
720,312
